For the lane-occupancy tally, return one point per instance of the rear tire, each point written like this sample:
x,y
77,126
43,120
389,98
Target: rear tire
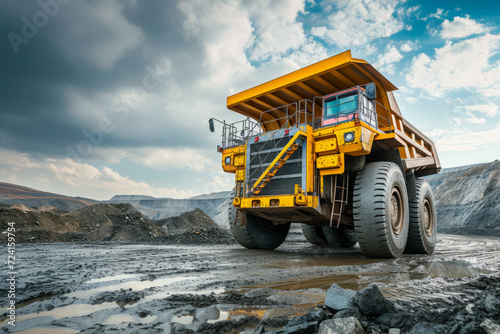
x,y
330,236
310,234
423,228
342,237
381,212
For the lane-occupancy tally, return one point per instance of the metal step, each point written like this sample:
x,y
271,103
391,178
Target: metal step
x,y
279,177
291,161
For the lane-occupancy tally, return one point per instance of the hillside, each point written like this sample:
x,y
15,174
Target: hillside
x,y
468,199
98,222
15,194
214,205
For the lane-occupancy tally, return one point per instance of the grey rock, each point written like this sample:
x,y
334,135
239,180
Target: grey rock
x,y
303,328
394,331
423,328
338,298
469,308
314,315
490,327
371,302
349,325
207,313
350,312
490,303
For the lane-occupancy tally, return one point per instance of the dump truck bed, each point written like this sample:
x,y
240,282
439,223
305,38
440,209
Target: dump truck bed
x,y
332,75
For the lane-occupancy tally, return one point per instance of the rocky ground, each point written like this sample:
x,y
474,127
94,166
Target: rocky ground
x,y
156,288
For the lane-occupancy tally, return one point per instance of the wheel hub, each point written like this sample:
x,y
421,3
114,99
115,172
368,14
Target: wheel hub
x,y
428,218
396,213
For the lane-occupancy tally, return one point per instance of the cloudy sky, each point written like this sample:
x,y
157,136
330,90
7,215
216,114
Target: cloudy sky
x,y
112,97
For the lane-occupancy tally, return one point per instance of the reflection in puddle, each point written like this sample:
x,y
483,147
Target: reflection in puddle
x,y
435,269
303,261
75,310
48,330
134,285
445,269
183,319
111,278
353,282
117,319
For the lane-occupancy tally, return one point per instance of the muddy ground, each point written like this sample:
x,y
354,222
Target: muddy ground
x,y
148,288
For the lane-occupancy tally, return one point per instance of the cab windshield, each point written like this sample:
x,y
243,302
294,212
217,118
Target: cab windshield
x,y
340,108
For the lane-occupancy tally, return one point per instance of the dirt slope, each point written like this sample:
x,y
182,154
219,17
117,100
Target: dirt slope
x,y
16,194
468,199
99,222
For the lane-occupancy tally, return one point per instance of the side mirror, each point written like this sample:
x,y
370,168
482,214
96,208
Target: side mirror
x,y
371,91
211,124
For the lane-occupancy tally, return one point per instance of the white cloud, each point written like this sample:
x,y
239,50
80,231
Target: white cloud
x,y
159,158
490,109
80,179
459,141
411,100
385,62
473,119
406,47
355,23
276,27
437,15
464,64
461,27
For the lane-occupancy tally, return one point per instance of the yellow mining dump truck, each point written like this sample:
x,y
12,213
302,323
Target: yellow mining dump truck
x,y
326,146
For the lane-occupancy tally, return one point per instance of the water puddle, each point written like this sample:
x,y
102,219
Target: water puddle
x,y
48,330
134,285
303,261
74,310
354,282
223,315
117,319
184,319
444,269
111,278
434,269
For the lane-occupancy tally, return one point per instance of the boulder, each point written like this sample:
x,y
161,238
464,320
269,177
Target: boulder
x,y
371,302
338,298
491,303
490,327
349,325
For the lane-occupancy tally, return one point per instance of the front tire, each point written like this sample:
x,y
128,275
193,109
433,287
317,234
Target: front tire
x,y
423,229
381,212
259,233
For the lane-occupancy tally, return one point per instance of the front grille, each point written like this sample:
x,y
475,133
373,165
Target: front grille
x,y
290,174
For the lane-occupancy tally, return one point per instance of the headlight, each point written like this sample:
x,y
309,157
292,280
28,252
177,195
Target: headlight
x,y
227,160
348,136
